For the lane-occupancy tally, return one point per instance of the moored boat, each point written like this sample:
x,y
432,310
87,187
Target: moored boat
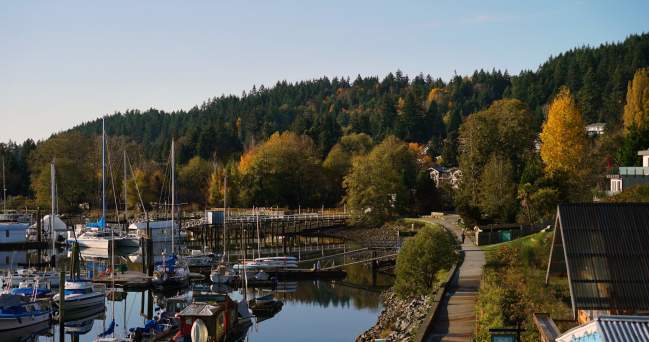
x,y
80,294
19,312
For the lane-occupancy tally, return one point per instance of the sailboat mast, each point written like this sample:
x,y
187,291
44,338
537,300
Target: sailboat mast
x,y
125,198
4,187
53,195
103,172
225,215
173,197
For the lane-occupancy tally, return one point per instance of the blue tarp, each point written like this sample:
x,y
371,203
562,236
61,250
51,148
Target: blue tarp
x,y
108,331
170,261
101,223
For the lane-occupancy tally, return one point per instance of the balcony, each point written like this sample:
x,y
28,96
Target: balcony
x,y
633,171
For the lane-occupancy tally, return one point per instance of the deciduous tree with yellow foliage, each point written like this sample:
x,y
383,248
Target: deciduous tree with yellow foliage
x,y
563,137
636,109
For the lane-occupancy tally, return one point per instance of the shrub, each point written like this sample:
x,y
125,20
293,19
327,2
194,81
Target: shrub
x,y
431,250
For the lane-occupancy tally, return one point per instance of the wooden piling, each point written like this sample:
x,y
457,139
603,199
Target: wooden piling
x,y
62,305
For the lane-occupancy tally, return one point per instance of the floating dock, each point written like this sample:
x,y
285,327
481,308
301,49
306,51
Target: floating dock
x,y
126,280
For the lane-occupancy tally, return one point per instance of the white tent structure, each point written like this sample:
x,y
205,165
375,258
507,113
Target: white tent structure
x,y
60,228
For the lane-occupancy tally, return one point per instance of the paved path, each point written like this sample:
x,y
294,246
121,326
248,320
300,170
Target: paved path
x,y
455,319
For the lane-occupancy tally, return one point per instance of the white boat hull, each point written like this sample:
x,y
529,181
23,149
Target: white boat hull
x,y
11,324
77,302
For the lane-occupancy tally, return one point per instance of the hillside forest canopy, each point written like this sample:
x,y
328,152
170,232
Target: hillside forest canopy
x,y
368,143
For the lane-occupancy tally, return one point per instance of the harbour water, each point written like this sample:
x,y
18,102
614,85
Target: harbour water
x,y
313,310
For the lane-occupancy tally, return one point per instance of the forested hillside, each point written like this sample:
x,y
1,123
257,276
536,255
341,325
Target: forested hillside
x,y
422,110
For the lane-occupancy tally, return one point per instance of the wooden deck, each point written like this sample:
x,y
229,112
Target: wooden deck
x,y
456,317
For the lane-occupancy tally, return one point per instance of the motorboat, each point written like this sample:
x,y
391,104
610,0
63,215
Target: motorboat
x,y
268,264
19,312
80,294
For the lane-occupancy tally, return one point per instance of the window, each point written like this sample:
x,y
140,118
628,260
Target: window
x,y
7,232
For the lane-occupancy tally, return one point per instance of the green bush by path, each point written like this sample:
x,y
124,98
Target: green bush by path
x,y
421,258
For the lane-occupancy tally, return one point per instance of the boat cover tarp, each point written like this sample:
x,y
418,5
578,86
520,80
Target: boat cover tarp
x,y
9,300
109,331
101,223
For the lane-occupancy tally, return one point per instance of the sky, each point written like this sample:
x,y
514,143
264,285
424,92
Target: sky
x,y
66,62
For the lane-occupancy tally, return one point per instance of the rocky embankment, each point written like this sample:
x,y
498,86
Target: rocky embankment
x,y
399,320
385,235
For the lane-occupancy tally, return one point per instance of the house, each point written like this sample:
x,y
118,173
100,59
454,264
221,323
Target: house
x,y
595,129
602,248
628,176
441,175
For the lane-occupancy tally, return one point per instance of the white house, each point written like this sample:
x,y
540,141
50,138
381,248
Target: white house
x,y
628,176
595,129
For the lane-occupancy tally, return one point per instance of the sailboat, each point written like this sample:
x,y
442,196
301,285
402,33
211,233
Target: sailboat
x,y
109,334
79,293
97,235
222,274
20,312
173,272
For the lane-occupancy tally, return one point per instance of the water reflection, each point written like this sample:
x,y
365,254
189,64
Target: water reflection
x,y
310,309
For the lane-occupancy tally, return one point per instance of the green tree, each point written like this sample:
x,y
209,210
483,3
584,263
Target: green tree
x,y
497,197
77,170
193,179
379,185
503,131
421,258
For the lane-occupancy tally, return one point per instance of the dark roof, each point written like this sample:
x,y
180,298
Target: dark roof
x,y
604,249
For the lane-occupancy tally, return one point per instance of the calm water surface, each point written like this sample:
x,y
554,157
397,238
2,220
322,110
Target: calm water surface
x,y
312,311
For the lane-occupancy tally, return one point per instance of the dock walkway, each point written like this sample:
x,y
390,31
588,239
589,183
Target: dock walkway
x,y
456,317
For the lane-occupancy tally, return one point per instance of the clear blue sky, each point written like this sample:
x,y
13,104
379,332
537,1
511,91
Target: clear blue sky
x,y
65,62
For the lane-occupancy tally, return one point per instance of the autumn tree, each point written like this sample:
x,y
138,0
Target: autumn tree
x,y
379,185
563,137
284,171
217,185
636,109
